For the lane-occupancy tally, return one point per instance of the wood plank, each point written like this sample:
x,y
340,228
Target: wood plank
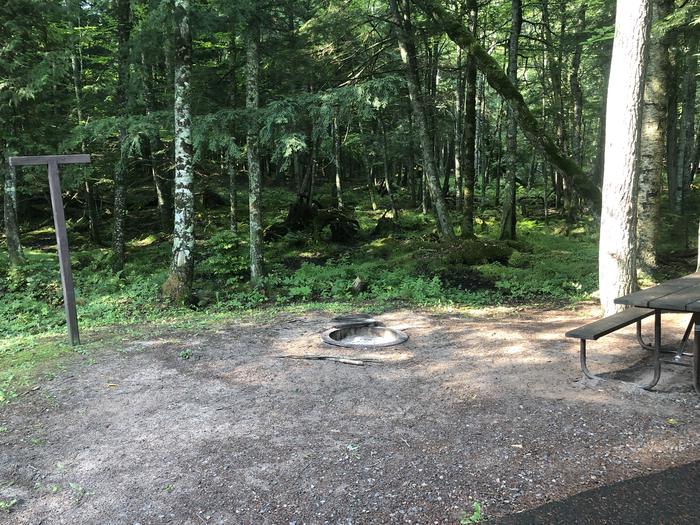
x,y
63,254
643,297
693,307
678,300
607,325
37,160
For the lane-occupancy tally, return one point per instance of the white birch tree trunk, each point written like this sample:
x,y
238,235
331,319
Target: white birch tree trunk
x,y
178,286
14,248
254,193
617,257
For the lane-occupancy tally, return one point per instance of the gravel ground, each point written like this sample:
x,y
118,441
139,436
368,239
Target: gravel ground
x,y
489,408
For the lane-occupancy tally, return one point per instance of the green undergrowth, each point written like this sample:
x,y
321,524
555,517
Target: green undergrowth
x,y
399,263
407,266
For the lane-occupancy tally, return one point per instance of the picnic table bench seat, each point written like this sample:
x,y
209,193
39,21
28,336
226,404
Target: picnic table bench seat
x,y
607,325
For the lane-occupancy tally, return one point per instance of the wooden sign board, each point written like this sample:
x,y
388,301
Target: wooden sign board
x,y
59,221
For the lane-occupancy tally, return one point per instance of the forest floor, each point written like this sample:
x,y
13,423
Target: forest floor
x,y
208,426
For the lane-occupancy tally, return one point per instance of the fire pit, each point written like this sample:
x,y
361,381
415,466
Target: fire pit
x,y
364,336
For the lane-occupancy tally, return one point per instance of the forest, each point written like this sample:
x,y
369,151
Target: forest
x,y
346,153
329,257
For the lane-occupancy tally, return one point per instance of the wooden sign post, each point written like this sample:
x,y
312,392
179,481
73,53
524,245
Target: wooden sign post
x,y
59,221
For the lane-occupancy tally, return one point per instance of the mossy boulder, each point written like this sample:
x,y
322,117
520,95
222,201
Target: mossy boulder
x,y
471,252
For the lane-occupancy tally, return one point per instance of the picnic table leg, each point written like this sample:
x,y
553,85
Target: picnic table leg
x,y
696,355
657,351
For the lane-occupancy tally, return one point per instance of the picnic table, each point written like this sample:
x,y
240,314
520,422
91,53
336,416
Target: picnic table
x,y
678,295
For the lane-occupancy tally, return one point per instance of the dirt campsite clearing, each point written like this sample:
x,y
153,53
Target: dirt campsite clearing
x,y
213,427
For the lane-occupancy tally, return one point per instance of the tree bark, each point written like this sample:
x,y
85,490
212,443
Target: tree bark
x,y
653,143
686,144
672,128
160,183
337,162
120,174
459,131
470,131
232,168
178,286
254,176
617,257
385,162
508,219
576,92
14,247
404,32
499,81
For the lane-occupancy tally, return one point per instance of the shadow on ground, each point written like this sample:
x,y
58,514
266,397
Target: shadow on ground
x,y
668,497
211,426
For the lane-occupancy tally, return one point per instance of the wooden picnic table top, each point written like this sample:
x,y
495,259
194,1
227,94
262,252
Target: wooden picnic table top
x,y
678,295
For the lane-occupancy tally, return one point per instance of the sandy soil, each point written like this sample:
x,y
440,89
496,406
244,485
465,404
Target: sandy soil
x,y
488,408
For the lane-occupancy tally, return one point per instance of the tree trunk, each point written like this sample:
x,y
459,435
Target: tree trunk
x,y
508,219
500,82
336,160
385,162
470,132
123,32
14,247
232,168
599,163
404,33
576,92
160,183
76,65
254,177
178,286
370,185
686,144
653,143
672,125
459,131
617,256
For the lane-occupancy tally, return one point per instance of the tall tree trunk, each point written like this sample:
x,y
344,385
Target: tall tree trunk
x,y
404,32
385,162
653,143
686,144
459,131
123,33
76,65
672,128
337,162
479,132
617,257
508,219
370,185
470,131
178,286
232,169
160,183
500,82
599,162
254,176
14,247
576,92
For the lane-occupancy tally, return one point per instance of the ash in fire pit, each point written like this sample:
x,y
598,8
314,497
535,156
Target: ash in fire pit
x,y
364,336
